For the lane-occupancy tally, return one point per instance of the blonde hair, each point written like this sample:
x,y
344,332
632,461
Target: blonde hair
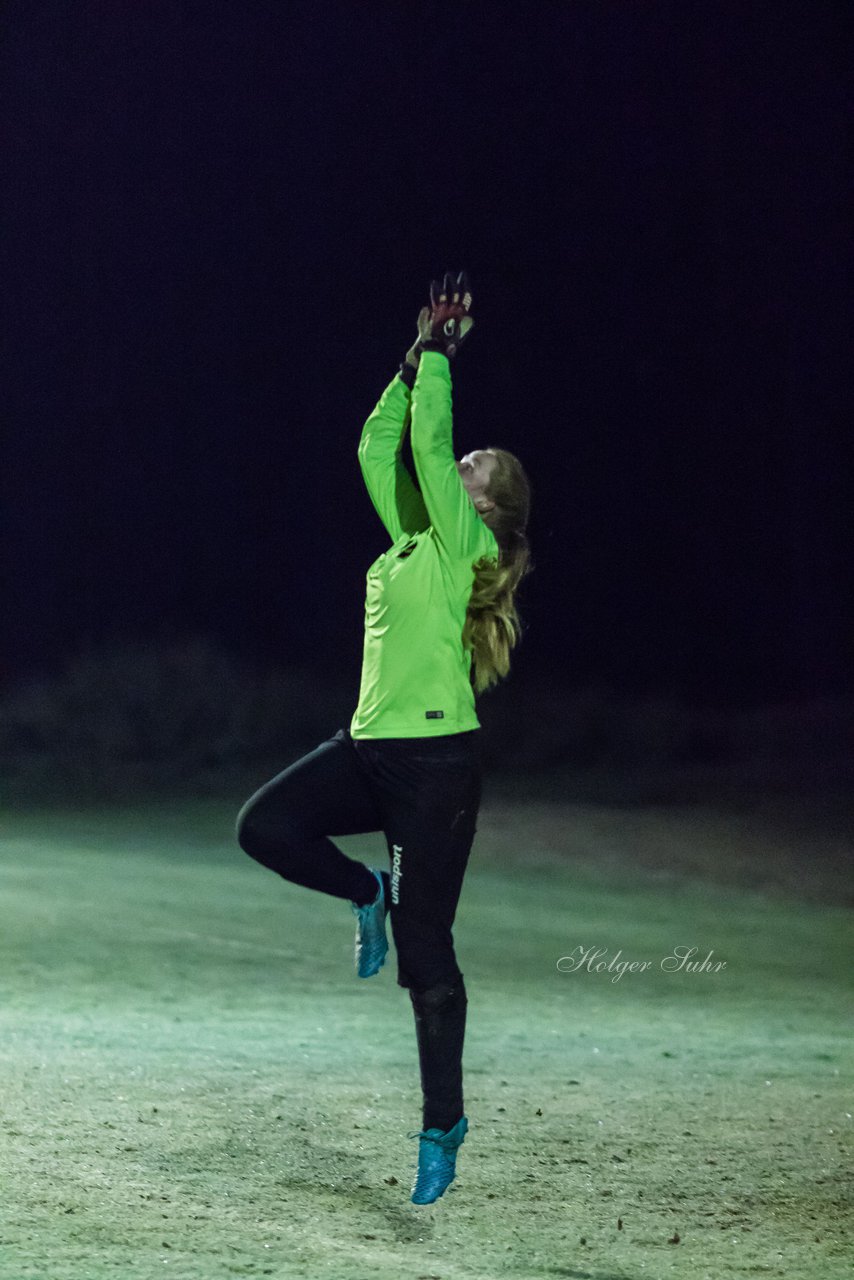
x,y
493,626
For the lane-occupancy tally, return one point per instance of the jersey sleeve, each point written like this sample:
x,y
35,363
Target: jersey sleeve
x,y
459,529
397,501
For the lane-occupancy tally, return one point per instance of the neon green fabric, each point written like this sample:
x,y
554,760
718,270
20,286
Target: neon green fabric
x,y
416,674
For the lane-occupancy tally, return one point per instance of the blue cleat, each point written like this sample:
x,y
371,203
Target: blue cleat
x,y
437,1158
371,941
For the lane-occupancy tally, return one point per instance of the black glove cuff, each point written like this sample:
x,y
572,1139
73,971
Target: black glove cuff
x,y
407,374
432,344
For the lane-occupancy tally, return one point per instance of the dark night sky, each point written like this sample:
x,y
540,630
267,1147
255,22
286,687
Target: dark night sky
x,y
221,219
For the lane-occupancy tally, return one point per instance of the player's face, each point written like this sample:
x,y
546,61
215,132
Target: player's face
x,y
476,471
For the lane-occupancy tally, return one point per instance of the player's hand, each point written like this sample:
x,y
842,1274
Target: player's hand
x,y
448,323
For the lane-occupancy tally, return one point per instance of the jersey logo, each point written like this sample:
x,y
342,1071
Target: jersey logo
x,y
435,715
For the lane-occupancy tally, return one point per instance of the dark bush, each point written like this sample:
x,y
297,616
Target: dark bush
x,y
160,713
186,714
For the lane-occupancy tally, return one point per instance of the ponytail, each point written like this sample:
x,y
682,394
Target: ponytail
x,y
493,626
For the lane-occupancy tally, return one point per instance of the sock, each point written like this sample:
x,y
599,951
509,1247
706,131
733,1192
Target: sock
x,y
440,1022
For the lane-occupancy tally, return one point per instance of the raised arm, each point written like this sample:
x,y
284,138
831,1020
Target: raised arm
x,y
456,524
443,327
397,501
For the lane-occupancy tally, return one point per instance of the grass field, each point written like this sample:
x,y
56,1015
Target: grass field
x,y
195,1084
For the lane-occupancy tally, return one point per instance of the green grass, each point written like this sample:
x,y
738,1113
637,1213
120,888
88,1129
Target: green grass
x,y
195,1084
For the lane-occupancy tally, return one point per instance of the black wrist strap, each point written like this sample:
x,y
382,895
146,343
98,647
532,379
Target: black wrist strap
x,y
407,374
432,345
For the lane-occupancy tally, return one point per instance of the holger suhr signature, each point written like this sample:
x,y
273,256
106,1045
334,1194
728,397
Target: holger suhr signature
x,y
595,960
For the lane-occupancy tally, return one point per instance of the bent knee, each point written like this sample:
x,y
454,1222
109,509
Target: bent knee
x,y
246,831
267,836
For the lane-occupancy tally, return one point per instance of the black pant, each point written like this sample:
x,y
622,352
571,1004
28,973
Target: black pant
x,y
424,795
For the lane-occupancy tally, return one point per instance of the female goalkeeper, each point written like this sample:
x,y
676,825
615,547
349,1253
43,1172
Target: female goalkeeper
x,y
440,621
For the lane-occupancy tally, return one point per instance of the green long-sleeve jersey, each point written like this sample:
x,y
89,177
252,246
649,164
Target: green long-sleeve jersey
x,y
416,673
